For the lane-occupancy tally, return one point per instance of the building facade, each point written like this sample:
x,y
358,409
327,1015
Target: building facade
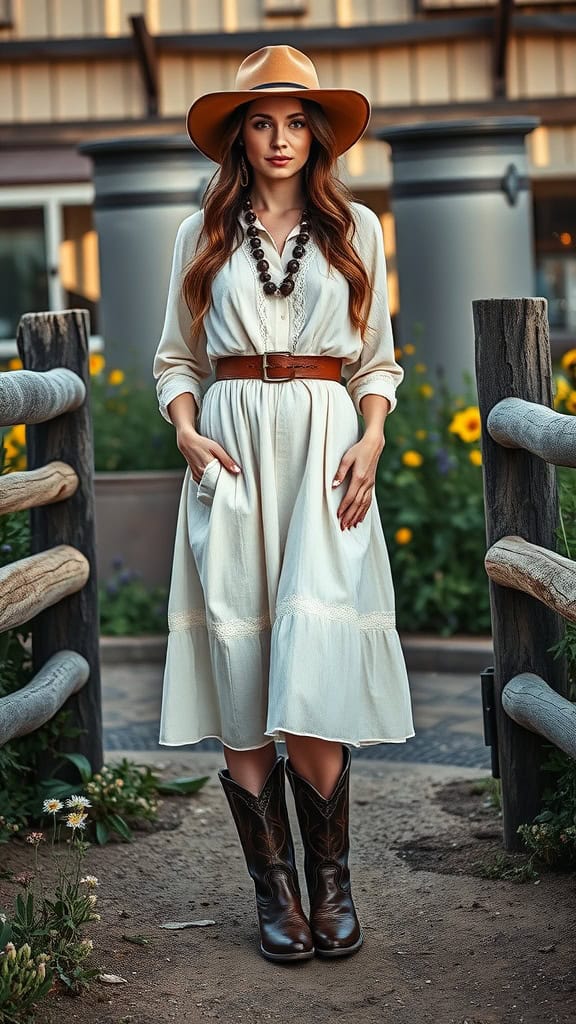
x,y
78,70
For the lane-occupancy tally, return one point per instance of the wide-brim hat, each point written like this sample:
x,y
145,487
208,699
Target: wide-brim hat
x,y
280,71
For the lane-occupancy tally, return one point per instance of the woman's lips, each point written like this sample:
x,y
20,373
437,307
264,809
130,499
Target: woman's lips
x,y
279,160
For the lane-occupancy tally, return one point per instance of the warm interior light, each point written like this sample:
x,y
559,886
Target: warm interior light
x,y
566,238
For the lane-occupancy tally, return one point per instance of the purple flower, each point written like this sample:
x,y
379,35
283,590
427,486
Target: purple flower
x,y
6,549
117,562
443,461
111,589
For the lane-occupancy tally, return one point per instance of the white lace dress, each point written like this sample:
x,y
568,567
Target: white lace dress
x,y
279,621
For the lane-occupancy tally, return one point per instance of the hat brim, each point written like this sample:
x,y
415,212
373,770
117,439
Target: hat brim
x,y
348,112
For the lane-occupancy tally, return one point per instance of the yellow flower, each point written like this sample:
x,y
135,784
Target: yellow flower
x,y
570,402
475,457
561,390
397,353
568,361
412,458
97,363
421,435
14,364
466,424
420,368
116,377
403,535
409,349
17,435
426,390
14,444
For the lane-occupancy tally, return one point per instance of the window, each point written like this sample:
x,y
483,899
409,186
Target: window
x,y
6,14
48,256
555,233
284,7
23,270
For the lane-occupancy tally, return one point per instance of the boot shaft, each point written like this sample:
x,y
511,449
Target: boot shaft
x,y
324,824
262,823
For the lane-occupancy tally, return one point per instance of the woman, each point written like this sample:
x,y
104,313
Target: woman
x,y
281,608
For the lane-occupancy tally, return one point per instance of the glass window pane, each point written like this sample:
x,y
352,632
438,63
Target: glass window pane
x,y
23,277
79,268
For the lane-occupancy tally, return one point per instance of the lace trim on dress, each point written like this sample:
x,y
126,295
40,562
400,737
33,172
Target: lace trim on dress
x,y
234,629
376,375
186,620
297,604
261,298
298,297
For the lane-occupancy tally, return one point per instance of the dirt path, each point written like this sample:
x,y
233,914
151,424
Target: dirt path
x,y
440,948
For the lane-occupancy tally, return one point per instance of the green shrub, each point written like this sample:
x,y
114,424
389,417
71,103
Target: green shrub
x,y
429,491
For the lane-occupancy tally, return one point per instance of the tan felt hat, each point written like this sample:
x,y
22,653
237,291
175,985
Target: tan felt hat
x,y
284,71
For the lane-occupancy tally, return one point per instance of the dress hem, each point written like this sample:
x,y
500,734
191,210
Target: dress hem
x,y
275,737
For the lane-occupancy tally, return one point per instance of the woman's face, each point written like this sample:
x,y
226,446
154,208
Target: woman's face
x,y
276,136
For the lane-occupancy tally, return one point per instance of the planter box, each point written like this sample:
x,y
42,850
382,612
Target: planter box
x,y
136,521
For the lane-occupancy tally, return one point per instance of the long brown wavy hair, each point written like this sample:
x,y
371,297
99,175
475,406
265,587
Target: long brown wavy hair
x,y
327,199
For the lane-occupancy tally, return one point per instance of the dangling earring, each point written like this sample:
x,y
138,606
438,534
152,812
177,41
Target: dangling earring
x,y
244,179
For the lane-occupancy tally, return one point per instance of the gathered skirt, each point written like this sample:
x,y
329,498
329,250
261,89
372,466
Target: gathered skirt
x,y
279,621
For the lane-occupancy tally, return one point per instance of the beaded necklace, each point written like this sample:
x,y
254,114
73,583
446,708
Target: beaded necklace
x,y
262,264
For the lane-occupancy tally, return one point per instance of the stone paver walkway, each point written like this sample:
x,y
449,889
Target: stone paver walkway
x,y
447,712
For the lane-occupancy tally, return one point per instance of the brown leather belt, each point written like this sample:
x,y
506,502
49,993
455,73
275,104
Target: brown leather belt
x,y
279,366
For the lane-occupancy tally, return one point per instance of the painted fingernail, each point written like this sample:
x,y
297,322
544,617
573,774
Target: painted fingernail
x,y
335,482
235,468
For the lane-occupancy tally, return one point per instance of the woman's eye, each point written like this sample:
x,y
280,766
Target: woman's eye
x,y
299,122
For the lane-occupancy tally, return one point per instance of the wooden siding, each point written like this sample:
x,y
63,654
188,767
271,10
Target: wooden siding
x,y
437,73
35,19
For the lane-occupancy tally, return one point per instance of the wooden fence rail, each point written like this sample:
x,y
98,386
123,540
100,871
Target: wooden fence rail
x,y
515,423
522,439
34,397
545,575
56,586
536,706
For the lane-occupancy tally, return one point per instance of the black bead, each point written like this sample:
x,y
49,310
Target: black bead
x,y
303,237
270,288
262,265
264,276
252,231
287,286
298,251
250,217
258,254
255,242
293,266
247,204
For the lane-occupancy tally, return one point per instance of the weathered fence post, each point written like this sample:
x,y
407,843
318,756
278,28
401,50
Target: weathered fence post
x,y
46,340
520,495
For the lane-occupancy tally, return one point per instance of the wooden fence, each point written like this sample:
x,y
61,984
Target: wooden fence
x,y
56,587
532,588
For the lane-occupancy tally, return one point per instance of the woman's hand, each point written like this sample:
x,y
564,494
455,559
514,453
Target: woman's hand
x,y
199,451
362,459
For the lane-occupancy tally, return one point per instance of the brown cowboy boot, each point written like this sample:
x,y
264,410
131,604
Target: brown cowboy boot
x,y
264,830
324,826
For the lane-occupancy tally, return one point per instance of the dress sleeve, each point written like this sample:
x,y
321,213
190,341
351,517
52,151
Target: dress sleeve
x,y
179,369
376,372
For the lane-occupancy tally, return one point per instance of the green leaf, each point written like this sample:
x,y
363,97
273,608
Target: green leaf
x,y
182,785
102,833
119,826
57,788
82,764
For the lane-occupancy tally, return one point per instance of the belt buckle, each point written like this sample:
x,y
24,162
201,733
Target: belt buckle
x,y
272,380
